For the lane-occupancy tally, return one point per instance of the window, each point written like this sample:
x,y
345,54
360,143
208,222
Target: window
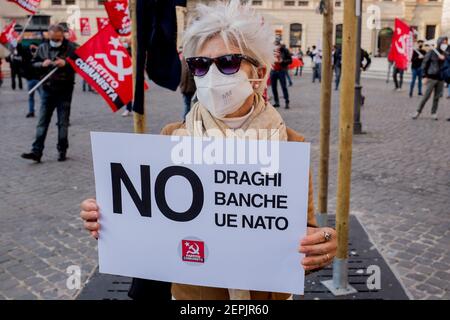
x,y
40,21
289,3
338,4
68,2
257,3
56,2
100,2
430,32
295,35
303,3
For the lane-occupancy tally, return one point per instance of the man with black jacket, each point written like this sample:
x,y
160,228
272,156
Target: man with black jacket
x,y
416,68
56,91
431,66
283,59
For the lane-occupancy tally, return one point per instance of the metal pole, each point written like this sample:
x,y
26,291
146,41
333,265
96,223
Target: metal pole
x,y
25,26
139,119
357,126
40,83
325,107
339,284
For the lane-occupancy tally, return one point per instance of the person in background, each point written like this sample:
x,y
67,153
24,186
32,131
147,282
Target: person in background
x,y
30,73
187,87
283,59
431,66
288,76
366,61
56,91
86,86
316,56
416,68
398,72
337,66
15,64
299,56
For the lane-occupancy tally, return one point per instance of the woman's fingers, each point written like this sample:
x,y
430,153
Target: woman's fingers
x,y
89,215
94,234
92,226
315,262
317,266
316,236
89,205
318,249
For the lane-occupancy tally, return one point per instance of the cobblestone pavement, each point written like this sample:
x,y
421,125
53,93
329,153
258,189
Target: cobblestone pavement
x,y
400,187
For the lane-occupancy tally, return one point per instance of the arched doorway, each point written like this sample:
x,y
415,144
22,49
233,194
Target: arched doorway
x,y
384,41
295,35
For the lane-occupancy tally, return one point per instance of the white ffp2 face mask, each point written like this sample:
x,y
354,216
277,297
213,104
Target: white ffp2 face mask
x,y
222,94
444,46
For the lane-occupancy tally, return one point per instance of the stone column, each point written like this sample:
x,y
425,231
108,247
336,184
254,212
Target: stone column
x,y
445,23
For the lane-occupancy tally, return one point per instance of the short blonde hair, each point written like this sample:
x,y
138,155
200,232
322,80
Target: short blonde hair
x,y
238,24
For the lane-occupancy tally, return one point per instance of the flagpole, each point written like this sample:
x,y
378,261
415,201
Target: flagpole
x,y
25,26
139,119
40,83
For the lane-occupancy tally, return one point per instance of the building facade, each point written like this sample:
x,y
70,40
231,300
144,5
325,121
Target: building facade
x,y
296,22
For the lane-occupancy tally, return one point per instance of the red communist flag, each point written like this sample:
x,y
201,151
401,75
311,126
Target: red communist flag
x,y
119,16
85,27
401,47
31,6
106,65
102,22
8,34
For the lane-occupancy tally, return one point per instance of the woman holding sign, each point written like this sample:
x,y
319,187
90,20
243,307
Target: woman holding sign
x,y
229,52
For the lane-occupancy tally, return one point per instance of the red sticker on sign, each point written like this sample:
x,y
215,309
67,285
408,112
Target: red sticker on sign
x,y
193,251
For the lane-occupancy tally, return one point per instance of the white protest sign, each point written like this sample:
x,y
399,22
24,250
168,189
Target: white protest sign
x,y
217,225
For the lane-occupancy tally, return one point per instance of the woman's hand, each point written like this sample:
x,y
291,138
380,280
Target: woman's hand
x,y
319,252
90,214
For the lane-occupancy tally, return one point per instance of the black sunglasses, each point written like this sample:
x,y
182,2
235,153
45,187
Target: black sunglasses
x,y
227,64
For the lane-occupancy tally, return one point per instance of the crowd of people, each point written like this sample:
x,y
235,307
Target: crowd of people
x,y
33,61
429,65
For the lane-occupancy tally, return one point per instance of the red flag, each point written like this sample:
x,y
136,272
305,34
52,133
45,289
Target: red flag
x,y
106,65
119,16
85,27
8,34
31,6
101,23
401,47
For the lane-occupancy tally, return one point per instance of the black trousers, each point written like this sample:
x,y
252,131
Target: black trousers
x,y
397,72
15,73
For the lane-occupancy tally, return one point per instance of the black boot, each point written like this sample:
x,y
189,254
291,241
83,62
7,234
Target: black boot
x,y
30,115
62,156
32,156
